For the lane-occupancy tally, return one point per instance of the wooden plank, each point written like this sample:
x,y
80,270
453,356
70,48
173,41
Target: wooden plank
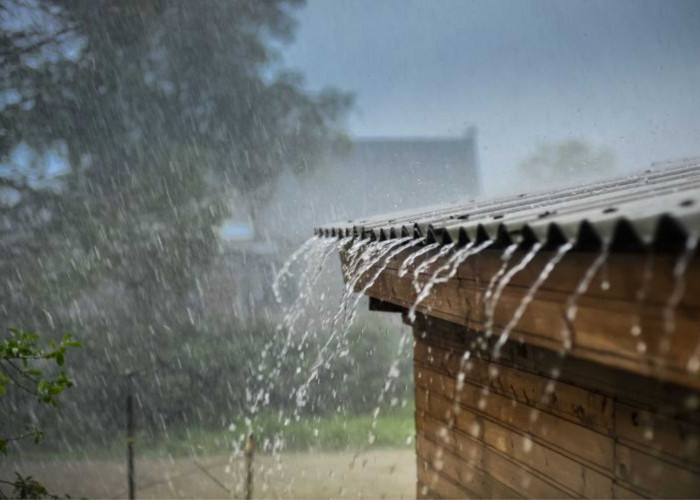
x,y
671,438
509,473
567,436
623,386
461,472
583,479
601,331
655,475
573,403
622,272
620,491
441,486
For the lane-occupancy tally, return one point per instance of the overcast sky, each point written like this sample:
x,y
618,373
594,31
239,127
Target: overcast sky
x,y
625,74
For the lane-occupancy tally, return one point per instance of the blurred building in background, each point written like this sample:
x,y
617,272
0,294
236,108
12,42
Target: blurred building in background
x,y
400,173
376,175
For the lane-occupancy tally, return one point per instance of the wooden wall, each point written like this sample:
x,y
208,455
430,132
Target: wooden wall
x,y
601,331
512,431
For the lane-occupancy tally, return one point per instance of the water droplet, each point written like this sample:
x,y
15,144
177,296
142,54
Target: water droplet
x,y
475,429
534,415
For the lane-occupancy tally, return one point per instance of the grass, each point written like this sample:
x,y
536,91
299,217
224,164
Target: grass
x,y
351,432
339,432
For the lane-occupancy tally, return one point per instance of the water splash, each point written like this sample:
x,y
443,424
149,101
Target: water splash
x,y
529,296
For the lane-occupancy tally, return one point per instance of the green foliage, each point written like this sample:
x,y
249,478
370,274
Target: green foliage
x,y
163,112
20,356
27,487
23,363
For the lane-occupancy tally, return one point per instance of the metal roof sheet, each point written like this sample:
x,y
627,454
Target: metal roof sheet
x,y
657,208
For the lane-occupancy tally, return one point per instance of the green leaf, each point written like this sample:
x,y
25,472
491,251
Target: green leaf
x,y
43,386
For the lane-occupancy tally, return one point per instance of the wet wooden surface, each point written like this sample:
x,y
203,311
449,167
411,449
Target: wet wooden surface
x,y
621,295
513,430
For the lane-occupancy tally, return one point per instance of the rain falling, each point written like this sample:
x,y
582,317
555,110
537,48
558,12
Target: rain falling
x,y
324,248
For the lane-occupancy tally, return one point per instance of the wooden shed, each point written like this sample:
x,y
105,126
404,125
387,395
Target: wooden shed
x,y
557,342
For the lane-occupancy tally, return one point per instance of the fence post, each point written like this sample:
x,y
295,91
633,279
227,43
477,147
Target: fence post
x,y
249,451
130,434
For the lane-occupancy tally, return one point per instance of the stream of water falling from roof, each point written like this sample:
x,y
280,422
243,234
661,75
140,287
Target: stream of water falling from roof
x,y
311,262
640,297
429,262
451,266
410,242
466,355
412,258
284,271
503,282
371,255
570,311
527,298
389,249
571,307
366,260
669,314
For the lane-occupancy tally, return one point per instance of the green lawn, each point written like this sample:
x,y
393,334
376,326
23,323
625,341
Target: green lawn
x,y
334,433
349,432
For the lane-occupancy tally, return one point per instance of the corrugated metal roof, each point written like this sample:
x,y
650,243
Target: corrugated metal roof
x,y
659,208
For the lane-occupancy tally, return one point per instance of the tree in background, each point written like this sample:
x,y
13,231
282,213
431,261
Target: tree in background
x,y
562,162
125,127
